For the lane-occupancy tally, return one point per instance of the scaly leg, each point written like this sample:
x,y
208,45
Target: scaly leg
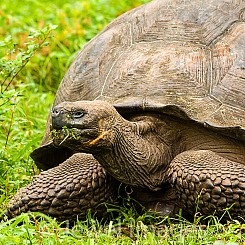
x,y
66,191
208,183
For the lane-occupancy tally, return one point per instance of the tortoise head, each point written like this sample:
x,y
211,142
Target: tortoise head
x,y
83,124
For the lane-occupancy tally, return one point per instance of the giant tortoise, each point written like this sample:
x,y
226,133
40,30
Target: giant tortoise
x,y
156,102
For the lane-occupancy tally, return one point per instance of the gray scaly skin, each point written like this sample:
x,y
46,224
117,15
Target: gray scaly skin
x,y
67,191
151,150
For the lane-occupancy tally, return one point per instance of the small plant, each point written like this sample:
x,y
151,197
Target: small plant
x,y
12,62
14,59
13,111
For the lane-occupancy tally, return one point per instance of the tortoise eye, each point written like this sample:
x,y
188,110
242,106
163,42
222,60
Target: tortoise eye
x,y
78,114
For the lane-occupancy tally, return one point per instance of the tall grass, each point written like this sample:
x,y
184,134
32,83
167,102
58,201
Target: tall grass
x,y
77,21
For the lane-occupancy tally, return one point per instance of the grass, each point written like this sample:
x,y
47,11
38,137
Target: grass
x,y
37,228
24,107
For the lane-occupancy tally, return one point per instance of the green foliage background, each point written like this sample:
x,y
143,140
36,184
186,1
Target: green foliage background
x,y
41,57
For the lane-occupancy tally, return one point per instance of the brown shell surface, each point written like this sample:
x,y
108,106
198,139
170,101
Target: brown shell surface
x,y
167,54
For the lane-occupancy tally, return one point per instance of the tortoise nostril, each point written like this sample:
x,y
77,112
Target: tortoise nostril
x,y
56,112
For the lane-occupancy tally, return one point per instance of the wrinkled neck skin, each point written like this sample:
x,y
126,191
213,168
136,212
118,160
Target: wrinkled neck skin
x,y
138,155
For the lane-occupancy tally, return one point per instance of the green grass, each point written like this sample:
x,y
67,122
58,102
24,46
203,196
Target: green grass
x,y
78,22
24,107
40,229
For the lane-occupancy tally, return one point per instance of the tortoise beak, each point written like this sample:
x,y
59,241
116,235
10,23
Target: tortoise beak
x,y
59,117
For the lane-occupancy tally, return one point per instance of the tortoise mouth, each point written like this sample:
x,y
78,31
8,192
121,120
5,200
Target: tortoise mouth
x,y
65,136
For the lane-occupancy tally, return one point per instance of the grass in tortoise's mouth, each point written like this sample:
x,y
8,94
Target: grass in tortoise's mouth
x,y
59,136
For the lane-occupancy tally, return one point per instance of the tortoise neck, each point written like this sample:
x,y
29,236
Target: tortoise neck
x,y
139,154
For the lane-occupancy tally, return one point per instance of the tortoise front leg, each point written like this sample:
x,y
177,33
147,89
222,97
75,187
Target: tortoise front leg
x,y
208,183
66,191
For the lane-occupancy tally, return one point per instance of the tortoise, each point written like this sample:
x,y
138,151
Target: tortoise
x,y
156,102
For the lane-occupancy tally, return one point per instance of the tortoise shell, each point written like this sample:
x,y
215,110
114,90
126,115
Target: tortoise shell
x,y
184,58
